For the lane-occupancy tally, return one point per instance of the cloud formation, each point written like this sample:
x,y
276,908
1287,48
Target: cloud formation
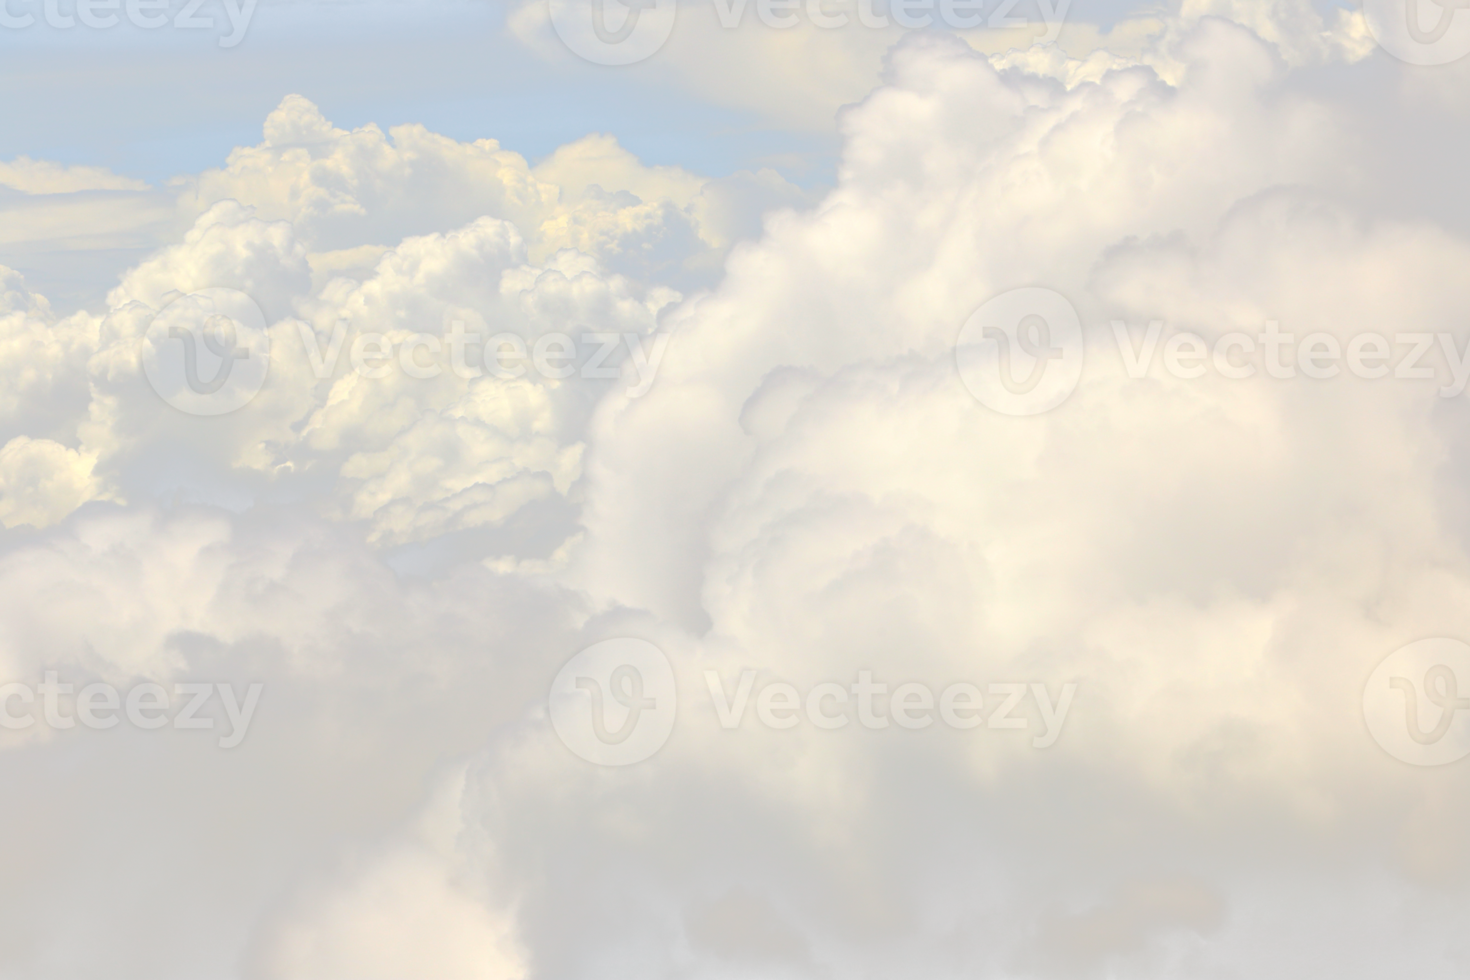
x,y
805,489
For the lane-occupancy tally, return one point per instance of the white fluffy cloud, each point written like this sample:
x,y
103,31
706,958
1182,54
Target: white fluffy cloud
x,y
42,361
1221,563
344,190
345,234
806,489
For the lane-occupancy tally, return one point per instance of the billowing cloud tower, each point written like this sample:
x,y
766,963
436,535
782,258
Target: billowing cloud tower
x,y
940,690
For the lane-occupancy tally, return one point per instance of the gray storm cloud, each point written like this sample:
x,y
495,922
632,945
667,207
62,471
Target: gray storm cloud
x,y
806,490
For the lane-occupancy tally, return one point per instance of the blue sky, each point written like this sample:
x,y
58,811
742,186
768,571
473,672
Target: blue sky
x,y
159,103
115,99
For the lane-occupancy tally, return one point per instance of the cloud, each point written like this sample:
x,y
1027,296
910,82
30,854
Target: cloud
x,y
42,361
319,226
741,927
42,481
71,229
317,865
806,491
341,189
1217,564
1079,944
44,177
408,909
347,189
230,246
959,183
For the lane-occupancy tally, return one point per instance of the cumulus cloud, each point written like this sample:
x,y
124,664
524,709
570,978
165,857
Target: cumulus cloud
x,y
1221,562
42,481
42,361
506,438
344,190
501,442
341,189
400,236
805,491
17,298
